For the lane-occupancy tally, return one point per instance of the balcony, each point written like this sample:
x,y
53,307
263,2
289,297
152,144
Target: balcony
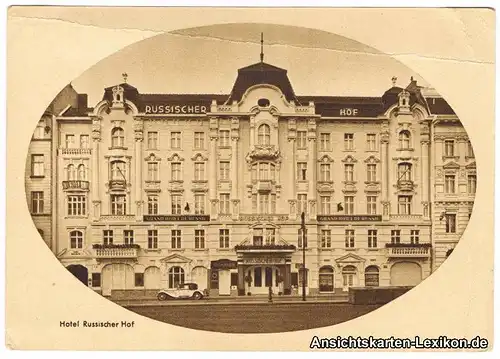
x,y
406,185
263,152
408,250
117,184
264,186
81,185
75,151
265,248
117,218
116,251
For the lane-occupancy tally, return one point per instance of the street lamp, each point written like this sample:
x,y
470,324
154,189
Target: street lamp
x,y
303,226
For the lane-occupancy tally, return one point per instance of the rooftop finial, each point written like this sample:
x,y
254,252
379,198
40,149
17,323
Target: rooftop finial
x,y
394,80
125,75
261,47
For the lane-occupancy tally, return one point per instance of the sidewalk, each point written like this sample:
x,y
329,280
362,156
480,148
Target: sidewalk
x,y
253,300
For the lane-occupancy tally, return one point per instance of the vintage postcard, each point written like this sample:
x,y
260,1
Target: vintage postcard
x,y
239,179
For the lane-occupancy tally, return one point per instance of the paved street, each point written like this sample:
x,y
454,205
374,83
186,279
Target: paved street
x,y
258,317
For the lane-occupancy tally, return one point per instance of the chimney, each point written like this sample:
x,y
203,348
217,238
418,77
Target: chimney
x,y
82,101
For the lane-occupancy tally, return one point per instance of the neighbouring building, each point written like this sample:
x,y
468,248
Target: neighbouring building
x,y
150,190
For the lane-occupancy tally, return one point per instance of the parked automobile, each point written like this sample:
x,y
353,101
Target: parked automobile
x,y
183,291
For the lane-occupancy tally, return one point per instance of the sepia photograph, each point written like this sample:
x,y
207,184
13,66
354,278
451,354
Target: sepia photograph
x,y
251,178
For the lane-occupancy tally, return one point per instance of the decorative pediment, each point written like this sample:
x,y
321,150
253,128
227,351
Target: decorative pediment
x,y
471,166
349,258
349,159
74,253
199,157
152,158
451,165
175,158
325,159
372,159
175,258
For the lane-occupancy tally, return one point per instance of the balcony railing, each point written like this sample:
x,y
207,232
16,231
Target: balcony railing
x,y
284,248
264,185
109,252
75,184
117,184
409,250
406,185
263,217
407,217
118,217
75,151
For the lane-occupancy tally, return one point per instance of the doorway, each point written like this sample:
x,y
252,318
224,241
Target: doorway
x,y
80,272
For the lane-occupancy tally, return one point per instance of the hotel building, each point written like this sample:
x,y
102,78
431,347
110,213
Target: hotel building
x,y
143,191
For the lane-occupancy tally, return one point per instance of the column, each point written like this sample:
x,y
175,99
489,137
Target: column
x,y
312,175
287,283
212,183
293,180
384,141
241,279
96,200
425,177
138,176
234,177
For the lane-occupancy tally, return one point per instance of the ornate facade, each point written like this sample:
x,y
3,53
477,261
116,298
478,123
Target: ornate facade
x,y
153,189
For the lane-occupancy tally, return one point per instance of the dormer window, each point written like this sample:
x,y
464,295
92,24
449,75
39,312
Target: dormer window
x,y
117,94
264,135
404,99
117,137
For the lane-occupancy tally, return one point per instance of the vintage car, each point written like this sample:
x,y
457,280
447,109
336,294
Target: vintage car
x,y
183,291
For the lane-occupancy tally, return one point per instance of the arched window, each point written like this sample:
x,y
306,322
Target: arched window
x,y
76,239
326,279
175,277
404,139
117,137
81,173
118,170
264,135
71,173
404,172
371,276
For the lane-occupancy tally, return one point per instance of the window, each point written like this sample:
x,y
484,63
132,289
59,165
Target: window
x,y
37,166
176,238
76,240
372,238
176,203
224,238
82,173
404,204
414,236
349,204
302,203
395,236
326,279
175,277
199,171
371,204
301,238
139,279
70,141
404,140
404,172
71,173
451,223
264,135
270,236
224,138
470,150
449,183
258,236
449,148
176,171
152,140
96,280
199,238
175,140
349,238
153,204
153,171
84,141
128,236
324,170
117,137
152,238
224,203
371,172
37,202
324,141
107,237
264,203
199,203
325,202
471,184
326,238
77,205
199,140
224,171
349,141
254,203
118,170
302,171
273,203
118,204
39,132
371,276
371,144
349,172
301,139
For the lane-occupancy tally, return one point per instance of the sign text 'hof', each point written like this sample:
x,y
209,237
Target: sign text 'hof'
x,y
181,109
348,112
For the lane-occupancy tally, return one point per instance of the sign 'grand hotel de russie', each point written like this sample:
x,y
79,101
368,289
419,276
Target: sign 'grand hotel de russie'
x,y
152,190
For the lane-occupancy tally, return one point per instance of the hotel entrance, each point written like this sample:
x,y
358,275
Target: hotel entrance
x,y
258,279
